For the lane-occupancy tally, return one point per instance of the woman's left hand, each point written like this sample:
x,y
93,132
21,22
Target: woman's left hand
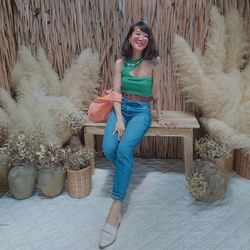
x,y
167,123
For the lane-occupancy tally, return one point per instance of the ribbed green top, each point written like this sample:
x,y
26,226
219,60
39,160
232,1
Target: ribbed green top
x,y
141,86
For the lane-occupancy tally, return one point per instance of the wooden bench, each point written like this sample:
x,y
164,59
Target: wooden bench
x,y
186,123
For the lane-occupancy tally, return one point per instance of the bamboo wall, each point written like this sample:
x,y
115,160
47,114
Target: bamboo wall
x,y
64,28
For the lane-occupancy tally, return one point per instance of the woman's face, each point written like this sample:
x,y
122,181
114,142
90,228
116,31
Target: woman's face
x,y
139,39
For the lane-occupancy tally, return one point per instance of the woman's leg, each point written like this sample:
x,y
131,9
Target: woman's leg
x,y
135,130
110,141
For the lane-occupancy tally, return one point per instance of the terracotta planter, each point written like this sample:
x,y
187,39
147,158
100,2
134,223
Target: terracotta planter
x,y
51,180
22,181
4,171
242,164
79,183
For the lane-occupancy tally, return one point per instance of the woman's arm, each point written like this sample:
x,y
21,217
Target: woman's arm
x,y
156,89
157,71
119,128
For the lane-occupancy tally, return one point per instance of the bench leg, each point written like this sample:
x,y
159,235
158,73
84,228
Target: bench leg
x,y
188,151
90,142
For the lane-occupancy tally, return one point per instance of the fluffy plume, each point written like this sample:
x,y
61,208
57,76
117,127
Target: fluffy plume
x,y
4,119
191,76
25,66
235,139
215,43
236,41
30,84
54,86
223,96
7,103
80,81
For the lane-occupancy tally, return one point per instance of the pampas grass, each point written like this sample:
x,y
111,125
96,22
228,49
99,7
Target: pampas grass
x,y
80,80
215,82
42,101
54,86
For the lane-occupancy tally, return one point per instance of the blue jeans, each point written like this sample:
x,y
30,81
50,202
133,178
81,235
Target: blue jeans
x,y
137,121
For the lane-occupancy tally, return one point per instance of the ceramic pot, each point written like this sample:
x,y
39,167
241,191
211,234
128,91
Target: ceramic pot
x,y
51,180
22,181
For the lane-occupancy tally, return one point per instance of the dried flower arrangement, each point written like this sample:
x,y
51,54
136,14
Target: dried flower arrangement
x,y
75,120
51,156
206,182
78,157
218,81
210,148
22,148
196,185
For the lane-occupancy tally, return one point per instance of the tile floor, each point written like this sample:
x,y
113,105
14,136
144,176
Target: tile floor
x,y
158,214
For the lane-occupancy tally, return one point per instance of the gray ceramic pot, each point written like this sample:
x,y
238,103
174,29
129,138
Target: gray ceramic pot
x,y
51,180
22,181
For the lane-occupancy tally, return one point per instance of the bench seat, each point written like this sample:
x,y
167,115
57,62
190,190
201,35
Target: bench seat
x,y
186,123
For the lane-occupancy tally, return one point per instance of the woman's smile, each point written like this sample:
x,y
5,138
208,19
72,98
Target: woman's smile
x,y
139,39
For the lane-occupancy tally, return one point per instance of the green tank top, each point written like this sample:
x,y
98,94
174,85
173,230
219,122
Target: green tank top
x,y
141,86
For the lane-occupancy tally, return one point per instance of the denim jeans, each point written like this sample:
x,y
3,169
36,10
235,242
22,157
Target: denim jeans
x,y
137,121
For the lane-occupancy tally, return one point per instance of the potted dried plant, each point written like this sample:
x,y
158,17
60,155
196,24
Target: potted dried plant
x,y
20,157
74,120
79,174
207,182
210,148
51,175
207,178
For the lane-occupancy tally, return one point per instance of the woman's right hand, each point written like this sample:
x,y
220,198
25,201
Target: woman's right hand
x,y
119,128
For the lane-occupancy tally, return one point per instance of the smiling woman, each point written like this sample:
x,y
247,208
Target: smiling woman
x,y
137,77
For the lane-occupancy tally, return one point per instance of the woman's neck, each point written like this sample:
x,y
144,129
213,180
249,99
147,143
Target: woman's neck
x,y
136,55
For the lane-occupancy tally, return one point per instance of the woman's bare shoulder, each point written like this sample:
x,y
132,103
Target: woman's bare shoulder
x,y
119,64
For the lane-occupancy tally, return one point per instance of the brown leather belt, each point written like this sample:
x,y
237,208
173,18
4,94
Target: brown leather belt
x,y
137,97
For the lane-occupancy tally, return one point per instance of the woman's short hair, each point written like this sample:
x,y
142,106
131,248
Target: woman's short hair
x,y
150,52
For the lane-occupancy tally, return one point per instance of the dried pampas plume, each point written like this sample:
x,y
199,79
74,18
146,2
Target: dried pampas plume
x,y
215,82
80,81
54,86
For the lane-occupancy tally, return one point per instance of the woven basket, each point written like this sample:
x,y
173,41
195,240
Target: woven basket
x,y
226,164
79,183
242,164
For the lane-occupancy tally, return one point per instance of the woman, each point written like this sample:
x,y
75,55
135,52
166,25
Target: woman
x,y
137,77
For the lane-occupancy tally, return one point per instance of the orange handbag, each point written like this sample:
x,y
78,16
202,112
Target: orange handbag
x,y
100,108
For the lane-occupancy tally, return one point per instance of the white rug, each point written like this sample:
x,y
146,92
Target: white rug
x,y
158,214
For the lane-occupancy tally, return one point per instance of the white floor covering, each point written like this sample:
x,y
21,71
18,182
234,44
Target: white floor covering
x,y
158,214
